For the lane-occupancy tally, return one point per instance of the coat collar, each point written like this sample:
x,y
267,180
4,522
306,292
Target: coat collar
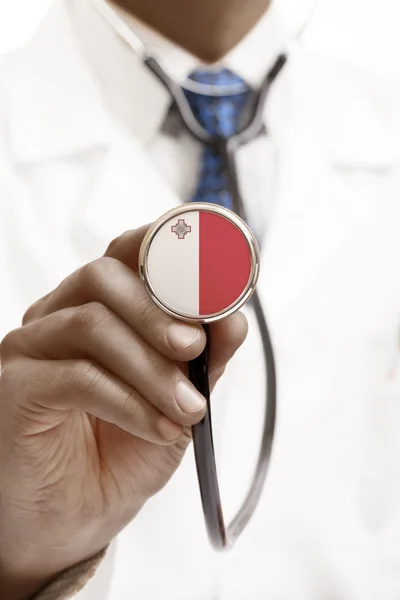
x,y
56,103
52,103
66,89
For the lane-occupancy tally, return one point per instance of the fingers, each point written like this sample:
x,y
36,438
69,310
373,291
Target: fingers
x,y
58,386
103,312
109,282
226,337
94,332
126,247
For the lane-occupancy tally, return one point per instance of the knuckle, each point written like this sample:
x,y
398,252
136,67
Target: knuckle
x,y
70,377
147,311
94,275
29,314
95,379
130,406
87,318
158,370
92,272
120,241
162,391
126,247
9,344
84,375
35,311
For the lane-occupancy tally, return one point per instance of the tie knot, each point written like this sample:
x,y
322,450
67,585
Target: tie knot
x,y
220,112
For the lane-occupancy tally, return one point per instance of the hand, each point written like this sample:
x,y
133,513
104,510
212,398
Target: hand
x,y
95,413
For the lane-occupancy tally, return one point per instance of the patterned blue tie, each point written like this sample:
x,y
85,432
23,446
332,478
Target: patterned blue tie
x,y
221,116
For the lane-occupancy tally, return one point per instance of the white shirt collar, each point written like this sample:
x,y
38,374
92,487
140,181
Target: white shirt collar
x,y
63,92
135,96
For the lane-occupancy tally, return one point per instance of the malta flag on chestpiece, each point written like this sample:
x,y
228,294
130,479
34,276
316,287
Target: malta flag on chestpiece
x,y
199,263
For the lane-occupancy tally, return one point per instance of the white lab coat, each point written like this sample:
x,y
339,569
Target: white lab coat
x,y
328,525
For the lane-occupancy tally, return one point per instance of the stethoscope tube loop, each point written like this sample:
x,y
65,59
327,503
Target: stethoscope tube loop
x,y
223,537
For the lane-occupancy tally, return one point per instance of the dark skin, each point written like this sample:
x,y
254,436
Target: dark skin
x,y
208,29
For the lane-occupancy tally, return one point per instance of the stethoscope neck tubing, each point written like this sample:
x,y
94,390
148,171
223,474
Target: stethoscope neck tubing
x,y
255,124
179,98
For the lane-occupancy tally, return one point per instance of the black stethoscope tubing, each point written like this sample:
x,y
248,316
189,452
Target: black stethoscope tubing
x,y
222,536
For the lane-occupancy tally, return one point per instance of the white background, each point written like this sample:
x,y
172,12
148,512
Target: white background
x,y
18,19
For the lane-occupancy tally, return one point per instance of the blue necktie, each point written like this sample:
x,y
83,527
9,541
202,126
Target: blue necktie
x,y
221,116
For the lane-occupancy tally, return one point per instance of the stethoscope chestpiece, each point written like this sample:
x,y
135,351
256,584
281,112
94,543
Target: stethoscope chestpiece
x,y
199,262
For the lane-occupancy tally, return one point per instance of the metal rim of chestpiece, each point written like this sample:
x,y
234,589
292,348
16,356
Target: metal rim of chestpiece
x,y
239,224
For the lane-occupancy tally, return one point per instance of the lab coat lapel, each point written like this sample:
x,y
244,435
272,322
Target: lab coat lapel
x,y
125,191
53,103
309,226
321,148
314,199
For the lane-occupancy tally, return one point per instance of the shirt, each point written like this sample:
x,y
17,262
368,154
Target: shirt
x,y
141,104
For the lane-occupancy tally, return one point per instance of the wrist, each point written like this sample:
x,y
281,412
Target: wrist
x,y
24,569
25,573
28,566
21,585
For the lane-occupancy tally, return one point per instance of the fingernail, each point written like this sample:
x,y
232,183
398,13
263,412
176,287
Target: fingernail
x,y
188,398
182,336
169,430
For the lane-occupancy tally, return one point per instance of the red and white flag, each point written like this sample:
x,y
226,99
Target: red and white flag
x,y
199,263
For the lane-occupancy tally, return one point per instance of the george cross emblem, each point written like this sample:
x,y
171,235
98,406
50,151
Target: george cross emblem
x,y
181,229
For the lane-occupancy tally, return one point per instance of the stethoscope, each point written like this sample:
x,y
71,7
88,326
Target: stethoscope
x,y
221,535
